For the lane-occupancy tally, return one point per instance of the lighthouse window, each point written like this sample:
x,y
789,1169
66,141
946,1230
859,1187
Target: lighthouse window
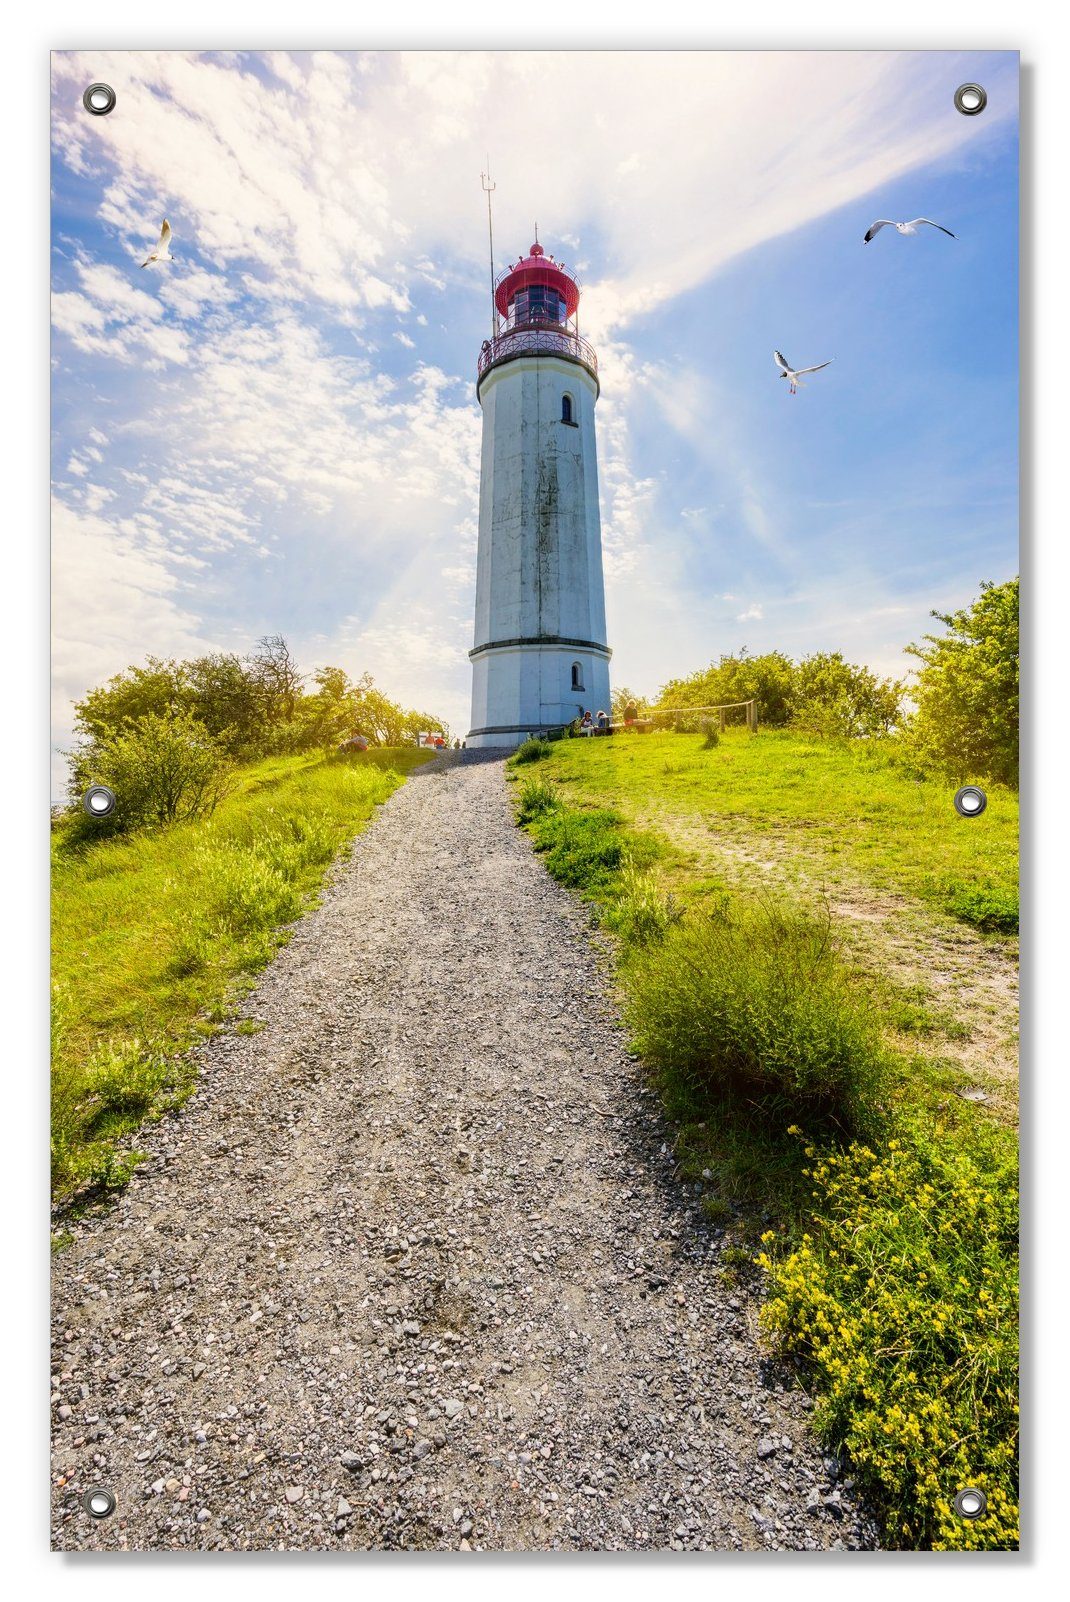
x,y
566,408
539,304
577,676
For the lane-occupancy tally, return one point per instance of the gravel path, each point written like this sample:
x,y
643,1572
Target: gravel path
x,y
413,1267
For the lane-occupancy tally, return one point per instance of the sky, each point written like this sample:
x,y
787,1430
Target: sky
x,y
278,431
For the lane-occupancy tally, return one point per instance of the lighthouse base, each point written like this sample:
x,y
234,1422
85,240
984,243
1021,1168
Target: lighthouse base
x,y
535,687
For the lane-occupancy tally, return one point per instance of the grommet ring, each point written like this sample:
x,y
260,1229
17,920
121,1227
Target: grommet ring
x,y
98,801
970,99
99,99
970,801
970,1503
98,1502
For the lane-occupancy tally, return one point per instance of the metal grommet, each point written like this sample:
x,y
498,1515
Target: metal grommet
x,y
970,1502
970,802
99,99
98,801
98,1502
970,99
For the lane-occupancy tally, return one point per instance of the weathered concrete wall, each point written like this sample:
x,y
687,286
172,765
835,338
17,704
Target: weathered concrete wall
x,y
540,598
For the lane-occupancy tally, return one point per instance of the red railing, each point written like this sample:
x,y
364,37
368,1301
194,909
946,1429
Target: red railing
x,y
530,339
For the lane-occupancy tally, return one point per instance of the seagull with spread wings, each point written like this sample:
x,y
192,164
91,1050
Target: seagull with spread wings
x,y
161,252
904,227
792,374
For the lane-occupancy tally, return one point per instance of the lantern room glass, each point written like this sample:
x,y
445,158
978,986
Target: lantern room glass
x,y
537,304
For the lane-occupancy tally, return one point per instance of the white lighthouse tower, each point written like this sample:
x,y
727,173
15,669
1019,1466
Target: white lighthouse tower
x,y
540,654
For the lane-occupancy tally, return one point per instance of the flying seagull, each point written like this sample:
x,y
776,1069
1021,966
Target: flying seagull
x,y
905,227
161,253
793,374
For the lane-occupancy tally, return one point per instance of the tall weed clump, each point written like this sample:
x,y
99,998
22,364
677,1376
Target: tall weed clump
x,y
642,912
532,751
535,799
756,998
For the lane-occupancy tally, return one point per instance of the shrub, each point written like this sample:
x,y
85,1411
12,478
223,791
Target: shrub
x,y
642,913
163,769
120,1084
712,736
822,692
191,953
966,724
757,998
902,1309
531,751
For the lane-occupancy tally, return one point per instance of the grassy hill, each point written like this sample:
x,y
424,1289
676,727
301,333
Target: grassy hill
x,y
834,810
815,960
155,934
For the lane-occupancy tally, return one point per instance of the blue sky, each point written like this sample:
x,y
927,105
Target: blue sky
x,y
278,432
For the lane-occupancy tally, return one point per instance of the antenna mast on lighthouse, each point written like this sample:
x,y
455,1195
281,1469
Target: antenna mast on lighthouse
x,y
488,188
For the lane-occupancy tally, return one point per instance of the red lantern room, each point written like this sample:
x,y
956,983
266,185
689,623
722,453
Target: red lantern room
x,y
537,289
537,300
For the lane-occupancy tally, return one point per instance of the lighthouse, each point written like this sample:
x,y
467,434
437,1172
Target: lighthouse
x,y
540,655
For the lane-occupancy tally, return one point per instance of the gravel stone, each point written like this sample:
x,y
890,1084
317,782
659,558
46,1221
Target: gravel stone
x,y
432,1186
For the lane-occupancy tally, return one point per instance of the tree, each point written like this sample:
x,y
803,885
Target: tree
x,y
159,688
249,706
223,693
164,769
277,678
331,714
831,696
966,723
766,679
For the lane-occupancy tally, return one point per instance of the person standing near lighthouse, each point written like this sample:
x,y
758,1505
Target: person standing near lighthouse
x,y
540,653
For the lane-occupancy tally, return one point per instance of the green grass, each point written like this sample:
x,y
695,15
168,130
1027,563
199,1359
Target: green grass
x,y
154,936
841,809
801,1077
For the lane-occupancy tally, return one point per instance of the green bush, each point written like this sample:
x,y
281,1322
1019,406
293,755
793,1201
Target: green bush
x,y
756,998
966,723
531,751
164,769
712,736
902,1309
121,1083
247,890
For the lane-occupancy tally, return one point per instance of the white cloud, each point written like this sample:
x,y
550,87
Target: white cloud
x,y
753,613
115,594
315,177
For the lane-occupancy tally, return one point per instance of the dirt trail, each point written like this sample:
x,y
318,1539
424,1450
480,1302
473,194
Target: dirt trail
x,y
413,1267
